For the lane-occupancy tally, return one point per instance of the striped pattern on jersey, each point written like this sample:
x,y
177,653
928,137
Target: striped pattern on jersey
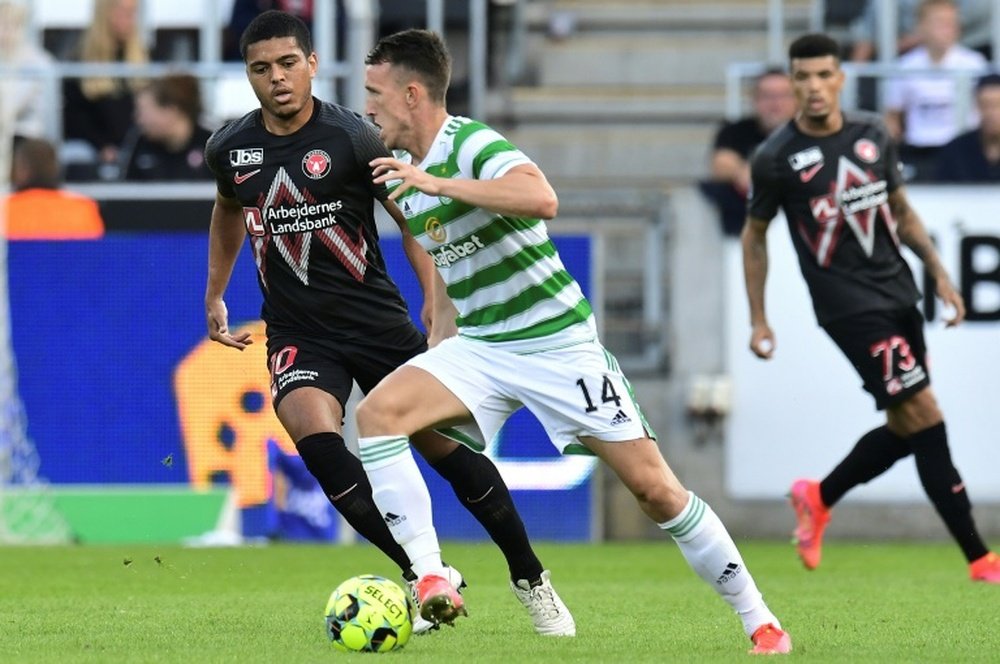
x,y
503,273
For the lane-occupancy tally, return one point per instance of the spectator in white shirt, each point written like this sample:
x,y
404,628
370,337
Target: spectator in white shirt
x,y
27,87
923,109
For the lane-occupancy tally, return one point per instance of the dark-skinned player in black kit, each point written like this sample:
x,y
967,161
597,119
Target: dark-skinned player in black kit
x,y
836,176
293,176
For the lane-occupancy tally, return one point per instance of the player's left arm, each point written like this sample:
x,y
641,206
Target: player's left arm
x,y
420,261
914,235
523,191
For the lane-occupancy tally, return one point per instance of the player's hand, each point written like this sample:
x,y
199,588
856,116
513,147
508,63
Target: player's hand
x,y
952,300
218,326
762,341
387,168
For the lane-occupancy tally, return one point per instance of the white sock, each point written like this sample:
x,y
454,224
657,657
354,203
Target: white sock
x,y
401,496
711,552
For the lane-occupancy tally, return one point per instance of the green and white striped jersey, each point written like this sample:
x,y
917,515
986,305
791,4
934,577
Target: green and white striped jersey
x,y
503,273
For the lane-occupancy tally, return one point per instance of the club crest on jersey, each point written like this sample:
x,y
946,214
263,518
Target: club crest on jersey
x,y
316,164
246,157
866,150
435,230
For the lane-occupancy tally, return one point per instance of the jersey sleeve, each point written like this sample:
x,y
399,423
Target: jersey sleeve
x,y
368,146
222,182
764,197
483,154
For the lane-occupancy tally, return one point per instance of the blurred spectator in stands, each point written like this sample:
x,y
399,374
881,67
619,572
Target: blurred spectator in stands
x,y
39,209
923,110
99,109
975,16
773,106
245,11
167,141
975,155
26,92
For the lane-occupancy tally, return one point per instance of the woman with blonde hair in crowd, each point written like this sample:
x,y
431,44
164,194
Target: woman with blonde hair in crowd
x,y
99,109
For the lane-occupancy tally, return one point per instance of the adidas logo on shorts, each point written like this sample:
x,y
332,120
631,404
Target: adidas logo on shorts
x,y
620,418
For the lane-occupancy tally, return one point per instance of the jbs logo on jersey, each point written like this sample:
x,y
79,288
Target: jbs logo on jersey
x,y
449,254
254,221
805,158
246,157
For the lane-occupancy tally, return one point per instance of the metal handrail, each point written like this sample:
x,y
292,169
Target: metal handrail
x,y
738,72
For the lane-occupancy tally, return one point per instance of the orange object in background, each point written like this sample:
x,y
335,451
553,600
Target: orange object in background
x,y
51,214
226,417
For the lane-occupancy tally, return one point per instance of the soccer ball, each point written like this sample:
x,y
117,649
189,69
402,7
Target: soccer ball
x,y
368,614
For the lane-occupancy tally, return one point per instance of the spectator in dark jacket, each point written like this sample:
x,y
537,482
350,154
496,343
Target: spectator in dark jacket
x,y
167,141
975,155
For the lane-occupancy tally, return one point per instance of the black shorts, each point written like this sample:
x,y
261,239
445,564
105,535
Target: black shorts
x,y
300,360
888,350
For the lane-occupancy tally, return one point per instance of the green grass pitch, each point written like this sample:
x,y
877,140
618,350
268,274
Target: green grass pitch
x,y
633,602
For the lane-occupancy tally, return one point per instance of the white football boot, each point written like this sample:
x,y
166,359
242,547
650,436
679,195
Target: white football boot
x,y
547,611
422,625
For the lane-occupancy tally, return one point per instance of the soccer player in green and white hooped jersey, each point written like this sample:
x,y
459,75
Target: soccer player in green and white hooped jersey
x,y
526,337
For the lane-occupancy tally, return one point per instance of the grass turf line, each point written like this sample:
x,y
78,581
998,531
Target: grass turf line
x,y
633,602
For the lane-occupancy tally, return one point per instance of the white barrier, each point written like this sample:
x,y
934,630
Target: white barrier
x,y
798,414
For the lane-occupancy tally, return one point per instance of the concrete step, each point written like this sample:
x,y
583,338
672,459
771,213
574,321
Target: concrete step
x,y
647,104
617,154
699,59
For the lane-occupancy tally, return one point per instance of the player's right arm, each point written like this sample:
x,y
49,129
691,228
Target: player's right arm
x,y
754,240
225,238
765,197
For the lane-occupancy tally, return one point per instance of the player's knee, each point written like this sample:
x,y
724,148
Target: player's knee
x,y
917,413
373,416
655,493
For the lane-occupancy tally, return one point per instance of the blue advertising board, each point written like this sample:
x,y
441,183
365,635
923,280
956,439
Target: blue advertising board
x,y
109,337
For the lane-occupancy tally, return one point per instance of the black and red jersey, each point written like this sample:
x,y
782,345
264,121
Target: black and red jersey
x,y
308,207
834,192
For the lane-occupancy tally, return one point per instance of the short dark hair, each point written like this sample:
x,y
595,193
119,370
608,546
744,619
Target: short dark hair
x,y
40,162
421,51
182,91
814,45
987,81
273,24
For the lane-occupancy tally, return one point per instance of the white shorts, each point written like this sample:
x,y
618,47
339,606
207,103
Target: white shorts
x,y
574,391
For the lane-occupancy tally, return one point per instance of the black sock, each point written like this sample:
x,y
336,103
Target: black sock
x,y
873,454
945,488
482,491
347,487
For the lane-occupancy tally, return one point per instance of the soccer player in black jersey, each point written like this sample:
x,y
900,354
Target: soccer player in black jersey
x,y
294,177
836,177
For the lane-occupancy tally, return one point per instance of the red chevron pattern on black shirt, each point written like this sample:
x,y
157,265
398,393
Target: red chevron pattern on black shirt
x,y
308,206
834,192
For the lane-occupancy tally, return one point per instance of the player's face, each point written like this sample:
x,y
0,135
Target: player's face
x,y
817,83
388,103
281,76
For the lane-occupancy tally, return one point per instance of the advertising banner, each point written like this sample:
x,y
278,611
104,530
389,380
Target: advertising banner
x,y
122,387
799,413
